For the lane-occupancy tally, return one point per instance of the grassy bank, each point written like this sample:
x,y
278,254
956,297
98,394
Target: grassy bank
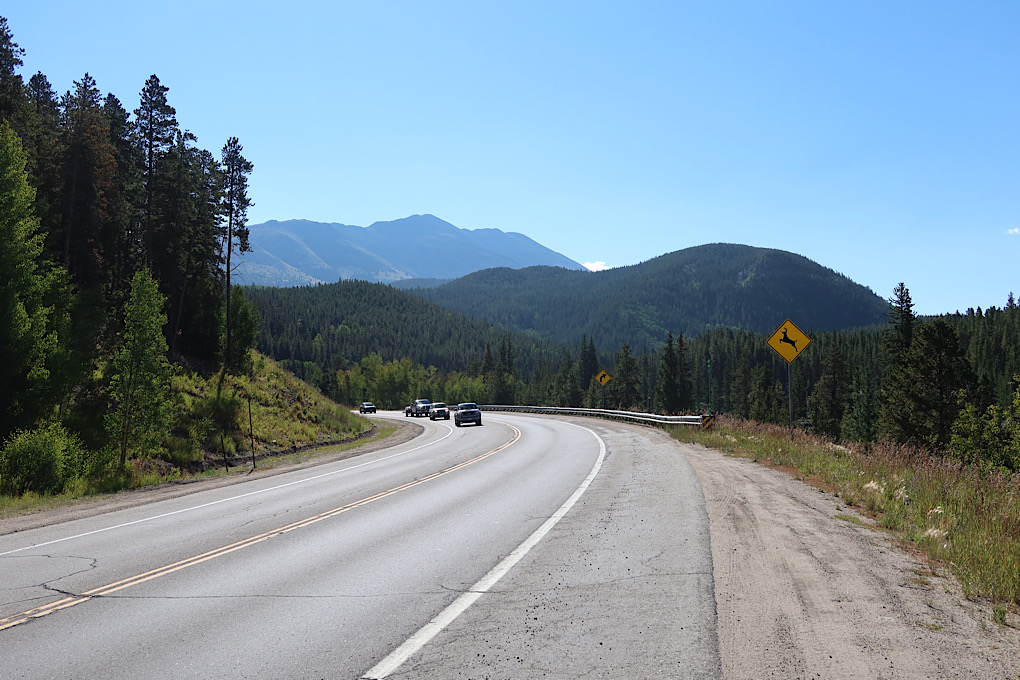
x,y
963,517
269,415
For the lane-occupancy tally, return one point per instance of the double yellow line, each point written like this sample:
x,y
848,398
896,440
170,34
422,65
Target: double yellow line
x,y
110,588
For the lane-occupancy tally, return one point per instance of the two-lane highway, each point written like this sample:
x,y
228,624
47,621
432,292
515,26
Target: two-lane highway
x,y
338,571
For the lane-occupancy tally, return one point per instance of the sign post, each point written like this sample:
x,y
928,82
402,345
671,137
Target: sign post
x,y
603,378
789,341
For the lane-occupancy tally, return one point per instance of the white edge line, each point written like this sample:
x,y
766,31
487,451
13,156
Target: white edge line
x,y
397,657
225,500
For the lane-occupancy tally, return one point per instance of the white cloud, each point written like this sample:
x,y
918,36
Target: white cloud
x,y
596,266
1014,231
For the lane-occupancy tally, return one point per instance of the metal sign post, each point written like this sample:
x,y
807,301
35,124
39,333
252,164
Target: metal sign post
x,y
789,341
603,378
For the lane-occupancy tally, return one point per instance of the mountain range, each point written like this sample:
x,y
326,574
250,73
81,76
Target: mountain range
x,y
544,309
690,290
301,252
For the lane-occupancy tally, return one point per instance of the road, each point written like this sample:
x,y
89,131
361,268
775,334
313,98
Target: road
x,y
528,547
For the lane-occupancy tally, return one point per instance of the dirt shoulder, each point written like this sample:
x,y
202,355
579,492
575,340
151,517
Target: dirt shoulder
x,y
88,507
805,589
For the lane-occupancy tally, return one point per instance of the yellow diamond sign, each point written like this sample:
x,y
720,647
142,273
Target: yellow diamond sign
x,y
603,378
789,341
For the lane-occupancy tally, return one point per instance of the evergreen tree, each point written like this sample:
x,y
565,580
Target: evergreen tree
x,y
767,401
683,373
623,391
587,363
235,209
896,342
246,327
27,283
122,240
923,399
155,131
668,390
740,389
566,390
507,356
12,102
900,333
488,361
139,416
197,279
827,403
89,169
44,149
861,413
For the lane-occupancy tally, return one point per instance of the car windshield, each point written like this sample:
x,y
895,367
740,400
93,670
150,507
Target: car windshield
x,y
463,407
439,405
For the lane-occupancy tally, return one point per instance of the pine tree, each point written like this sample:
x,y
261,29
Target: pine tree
x,y
767,401
488,362
623,391
565,390
155,130
122,244
587,363
861,413
900,333
235,208
44,149
12,102
89,169
923,399
828,399
683,374
740,388
668,389
896,342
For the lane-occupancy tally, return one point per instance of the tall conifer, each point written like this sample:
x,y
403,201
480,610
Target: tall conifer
x,y
235,210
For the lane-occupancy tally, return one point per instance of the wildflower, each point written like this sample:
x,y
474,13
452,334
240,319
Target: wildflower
x,y
901,495
873,486
936,533
937,510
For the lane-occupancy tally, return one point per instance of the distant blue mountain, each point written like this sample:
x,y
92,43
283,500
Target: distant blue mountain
x,y
300,252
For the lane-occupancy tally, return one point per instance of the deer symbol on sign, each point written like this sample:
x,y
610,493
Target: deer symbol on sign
x,y
788,341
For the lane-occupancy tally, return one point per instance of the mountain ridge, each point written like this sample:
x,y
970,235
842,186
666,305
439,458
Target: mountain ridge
x,y
689,291
305,252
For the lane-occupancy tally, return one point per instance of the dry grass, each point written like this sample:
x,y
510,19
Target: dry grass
x,y
965,518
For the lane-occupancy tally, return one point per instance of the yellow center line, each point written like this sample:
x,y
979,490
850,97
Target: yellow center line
x,y
72,600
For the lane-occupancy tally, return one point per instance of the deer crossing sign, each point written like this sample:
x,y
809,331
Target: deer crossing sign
x,y
789,341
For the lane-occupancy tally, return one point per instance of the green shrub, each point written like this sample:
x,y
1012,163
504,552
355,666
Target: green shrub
x,y
40,460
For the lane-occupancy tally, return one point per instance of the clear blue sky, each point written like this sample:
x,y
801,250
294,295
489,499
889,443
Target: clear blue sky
x,y
881,139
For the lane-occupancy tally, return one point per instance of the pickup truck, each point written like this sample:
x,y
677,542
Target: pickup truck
x,y
420,407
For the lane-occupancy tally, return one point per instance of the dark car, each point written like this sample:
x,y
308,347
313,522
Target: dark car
x,y
367,407
467,413
439,410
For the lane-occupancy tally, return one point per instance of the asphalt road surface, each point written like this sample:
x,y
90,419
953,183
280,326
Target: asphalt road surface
x,y
528,547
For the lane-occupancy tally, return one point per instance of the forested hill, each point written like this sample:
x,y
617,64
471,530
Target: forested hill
x,y
335,325
690,290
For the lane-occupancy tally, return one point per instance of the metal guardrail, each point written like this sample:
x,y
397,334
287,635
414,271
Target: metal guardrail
x,y
701,421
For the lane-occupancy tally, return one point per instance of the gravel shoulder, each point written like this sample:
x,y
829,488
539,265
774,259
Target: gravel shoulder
x,y
802,593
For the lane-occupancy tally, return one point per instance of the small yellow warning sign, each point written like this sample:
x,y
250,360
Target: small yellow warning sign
x,y
789,341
